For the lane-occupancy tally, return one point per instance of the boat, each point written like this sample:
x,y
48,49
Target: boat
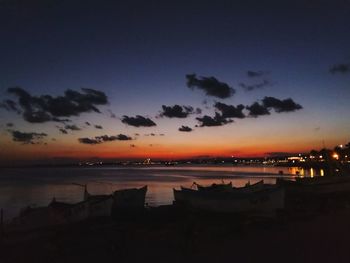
x,y
319,185
130,199
263,202
248,188
214,187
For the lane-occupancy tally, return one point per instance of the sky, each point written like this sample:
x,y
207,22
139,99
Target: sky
x,y
172,79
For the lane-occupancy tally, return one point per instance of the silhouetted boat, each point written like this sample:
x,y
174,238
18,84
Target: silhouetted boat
x,y
248,188
319,185
215,187
261,202
131,199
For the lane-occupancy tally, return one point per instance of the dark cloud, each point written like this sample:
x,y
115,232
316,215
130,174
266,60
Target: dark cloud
x,y
211,86
230,111
257,109
44,108
340,68
9,124
60,120
72,127
10,105
119,137
287,105
138,121
89,141
217,120
153,134
105,138
122,137
185,129
176,111
251,87
255,74
28,137
88,123
63,131
98,127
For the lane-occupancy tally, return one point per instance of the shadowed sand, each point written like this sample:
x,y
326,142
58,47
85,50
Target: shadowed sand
x,y
170,234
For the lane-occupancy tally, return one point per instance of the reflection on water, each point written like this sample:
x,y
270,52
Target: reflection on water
x,y
37,186
301,172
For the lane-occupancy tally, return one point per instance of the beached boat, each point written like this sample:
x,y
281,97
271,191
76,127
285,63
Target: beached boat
x,y
131,199
320,185
94,205
266,201
215,187
248,188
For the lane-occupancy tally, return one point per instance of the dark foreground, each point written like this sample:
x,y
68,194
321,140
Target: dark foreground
x,y
168,234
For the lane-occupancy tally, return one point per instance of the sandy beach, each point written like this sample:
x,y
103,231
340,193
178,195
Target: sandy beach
x,y
170,234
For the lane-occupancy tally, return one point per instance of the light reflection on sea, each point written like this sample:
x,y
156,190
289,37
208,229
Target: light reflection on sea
x,y
20,187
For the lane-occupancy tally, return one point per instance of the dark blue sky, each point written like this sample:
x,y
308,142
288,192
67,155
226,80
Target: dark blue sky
x,y
138,53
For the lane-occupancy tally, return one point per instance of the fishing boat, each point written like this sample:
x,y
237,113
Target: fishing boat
x,y
97,205
320,185
131,199
247,188
266,201
214,187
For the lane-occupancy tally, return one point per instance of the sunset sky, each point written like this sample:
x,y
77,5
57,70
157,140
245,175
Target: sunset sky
x,y
75,74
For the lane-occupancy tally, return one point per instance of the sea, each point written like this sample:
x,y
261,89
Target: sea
x,y
35,187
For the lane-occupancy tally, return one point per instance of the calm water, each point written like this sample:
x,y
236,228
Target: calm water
x,y
21,187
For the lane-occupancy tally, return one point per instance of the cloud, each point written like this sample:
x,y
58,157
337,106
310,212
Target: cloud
x,y
138,121
105,138
44,108
177,111
63,131
257,109
60,120
230,111
98,127
340,68
27,137
9,124
89,141
217,120
72,127
252,87
287,105
10,105
152,134
255,74
211,86
185,129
